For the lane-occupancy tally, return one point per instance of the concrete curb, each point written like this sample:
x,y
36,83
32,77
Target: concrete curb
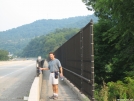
x,y
76,90
35,89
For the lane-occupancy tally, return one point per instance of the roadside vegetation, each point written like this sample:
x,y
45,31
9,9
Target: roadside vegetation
x,y
114,48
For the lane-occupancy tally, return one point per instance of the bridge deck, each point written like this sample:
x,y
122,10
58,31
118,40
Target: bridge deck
x,y
65,92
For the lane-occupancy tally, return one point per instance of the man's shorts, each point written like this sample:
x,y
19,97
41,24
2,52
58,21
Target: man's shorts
x,y
52,79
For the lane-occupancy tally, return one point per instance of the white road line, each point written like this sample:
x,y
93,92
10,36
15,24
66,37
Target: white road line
x,y
16,71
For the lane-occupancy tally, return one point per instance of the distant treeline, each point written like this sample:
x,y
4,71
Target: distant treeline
x,y
41,46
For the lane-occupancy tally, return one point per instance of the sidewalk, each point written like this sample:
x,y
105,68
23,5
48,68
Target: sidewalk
x,y
65,92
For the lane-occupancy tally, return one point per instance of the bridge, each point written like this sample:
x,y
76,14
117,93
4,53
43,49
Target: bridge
x,y
77,58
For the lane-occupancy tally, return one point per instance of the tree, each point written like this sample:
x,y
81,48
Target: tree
x,y
3,55
120,37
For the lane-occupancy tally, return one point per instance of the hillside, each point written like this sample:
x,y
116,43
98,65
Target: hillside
x,y
16,39
41,46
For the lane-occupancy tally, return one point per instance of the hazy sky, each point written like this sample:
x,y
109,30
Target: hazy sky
x,y
14,13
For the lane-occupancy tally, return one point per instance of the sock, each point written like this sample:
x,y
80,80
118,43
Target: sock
x,y
56,94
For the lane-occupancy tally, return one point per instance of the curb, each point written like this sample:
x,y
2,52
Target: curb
x,y
76,90
35,89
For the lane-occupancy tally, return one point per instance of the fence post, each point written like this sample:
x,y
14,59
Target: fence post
x,y
81,48
92,58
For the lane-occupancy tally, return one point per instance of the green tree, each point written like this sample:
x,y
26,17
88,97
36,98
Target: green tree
x,y
120,37
3,55
103,52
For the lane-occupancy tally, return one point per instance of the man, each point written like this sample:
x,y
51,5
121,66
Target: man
x,y
54,66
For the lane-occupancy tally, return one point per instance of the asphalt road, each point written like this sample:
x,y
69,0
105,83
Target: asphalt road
x,y
16,78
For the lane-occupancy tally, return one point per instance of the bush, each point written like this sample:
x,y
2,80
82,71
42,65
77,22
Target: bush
x,y
115,90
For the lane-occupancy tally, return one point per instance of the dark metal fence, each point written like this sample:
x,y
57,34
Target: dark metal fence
x,y
77,58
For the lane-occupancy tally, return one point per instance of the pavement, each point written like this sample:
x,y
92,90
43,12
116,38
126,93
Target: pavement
x,y
12,62
16,78
65,92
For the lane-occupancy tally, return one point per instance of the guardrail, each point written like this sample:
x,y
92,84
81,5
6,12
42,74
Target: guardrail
x,y
77,75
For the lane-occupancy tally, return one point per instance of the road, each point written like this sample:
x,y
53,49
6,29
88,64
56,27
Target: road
x,y
16,78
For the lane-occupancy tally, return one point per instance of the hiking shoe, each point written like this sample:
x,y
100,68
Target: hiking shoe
x,y
55,97
52,97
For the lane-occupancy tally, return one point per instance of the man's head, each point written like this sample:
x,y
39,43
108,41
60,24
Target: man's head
x,y
51,55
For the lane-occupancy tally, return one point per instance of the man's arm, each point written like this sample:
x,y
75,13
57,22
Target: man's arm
x,y
61,71
44,68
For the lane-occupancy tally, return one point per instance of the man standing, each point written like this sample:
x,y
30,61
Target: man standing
x,y
54,66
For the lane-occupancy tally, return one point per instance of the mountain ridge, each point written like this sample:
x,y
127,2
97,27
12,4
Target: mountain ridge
x,y
14,40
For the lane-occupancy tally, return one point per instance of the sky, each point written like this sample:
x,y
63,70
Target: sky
x,y
15,13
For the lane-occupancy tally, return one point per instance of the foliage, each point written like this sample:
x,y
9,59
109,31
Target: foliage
x,y
117,36
115,90
3,55
103,52
14,40
114,46
41,46
101,93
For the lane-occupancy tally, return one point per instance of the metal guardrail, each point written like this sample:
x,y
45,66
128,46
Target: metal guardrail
x,y
77,75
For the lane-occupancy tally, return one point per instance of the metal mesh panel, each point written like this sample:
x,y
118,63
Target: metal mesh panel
x,y
77,58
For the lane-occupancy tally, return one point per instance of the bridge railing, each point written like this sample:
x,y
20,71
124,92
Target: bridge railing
x,y
77,58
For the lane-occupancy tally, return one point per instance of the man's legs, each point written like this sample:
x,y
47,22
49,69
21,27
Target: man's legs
x,y
55,89
54,86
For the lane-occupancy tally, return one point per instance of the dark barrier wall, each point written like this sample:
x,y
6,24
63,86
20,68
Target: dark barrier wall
x,y
77,58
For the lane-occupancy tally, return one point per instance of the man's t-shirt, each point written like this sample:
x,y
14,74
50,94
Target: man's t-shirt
x,y
54,65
